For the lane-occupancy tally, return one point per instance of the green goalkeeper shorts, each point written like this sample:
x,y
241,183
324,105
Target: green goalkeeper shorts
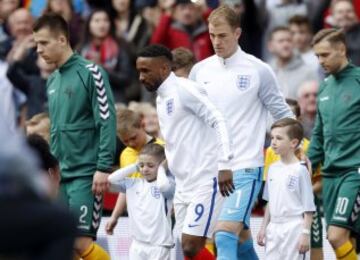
x,y
341,199
87,207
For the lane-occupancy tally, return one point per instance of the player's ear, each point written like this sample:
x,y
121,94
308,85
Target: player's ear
x,y
295,143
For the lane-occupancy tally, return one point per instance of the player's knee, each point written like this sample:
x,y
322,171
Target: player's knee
x,y
190,250
82,244
191,247
336,239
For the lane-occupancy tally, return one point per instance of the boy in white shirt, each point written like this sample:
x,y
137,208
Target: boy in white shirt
x,y
285,230
149,201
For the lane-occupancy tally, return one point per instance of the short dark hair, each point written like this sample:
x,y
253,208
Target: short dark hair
x,y
55,22
42,150
293,103
155,51
154,149
333,36
300,20
296,130
280,28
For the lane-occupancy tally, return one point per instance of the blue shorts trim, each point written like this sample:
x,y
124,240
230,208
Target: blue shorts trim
x,y
211,207
250,200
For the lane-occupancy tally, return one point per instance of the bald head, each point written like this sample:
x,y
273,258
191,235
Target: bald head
x,y
20,23
307,94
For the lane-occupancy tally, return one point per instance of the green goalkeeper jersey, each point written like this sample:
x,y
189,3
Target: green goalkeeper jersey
x,y
82,118
336,136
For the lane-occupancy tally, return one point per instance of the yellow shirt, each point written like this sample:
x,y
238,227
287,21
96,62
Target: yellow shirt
x,y
271,157
130,155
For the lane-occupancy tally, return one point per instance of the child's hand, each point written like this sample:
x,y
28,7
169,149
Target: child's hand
x,y
261,237
110,225
304,243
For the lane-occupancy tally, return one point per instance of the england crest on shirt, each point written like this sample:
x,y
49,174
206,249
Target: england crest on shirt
x,y
155,192
243,82
170,106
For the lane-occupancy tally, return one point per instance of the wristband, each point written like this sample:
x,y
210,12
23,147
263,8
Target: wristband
x,y
306,231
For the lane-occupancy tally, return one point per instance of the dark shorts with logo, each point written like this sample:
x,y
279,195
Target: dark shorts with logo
x,y
87,207
341,197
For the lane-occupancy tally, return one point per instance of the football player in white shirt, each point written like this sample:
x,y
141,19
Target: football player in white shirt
x,y
197,148
244,89
149,202
285,230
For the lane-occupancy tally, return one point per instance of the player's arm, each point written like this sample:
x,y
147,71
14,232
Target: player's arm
x,y
262,232
118,183
165,183
196,101
105,122
271,96
119,175
307,200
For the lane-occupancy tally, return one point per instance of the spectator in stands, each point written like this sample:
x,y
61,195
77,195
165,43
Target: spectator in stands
x,y
252,21
65,8
288,66
129,24
345,18
307,94
279,15
33,85
184,28
183,61
101,47
6,8
300,28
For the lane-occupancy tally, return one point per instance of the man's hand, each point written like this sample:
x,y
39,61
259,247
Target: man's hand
x,y
100,183
261,237
226,184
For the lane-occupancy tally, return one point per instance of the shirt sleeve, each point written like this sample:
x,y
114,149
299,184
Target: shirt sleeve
x,y
122,173
306,192
166,183
195,99
104,115
271,96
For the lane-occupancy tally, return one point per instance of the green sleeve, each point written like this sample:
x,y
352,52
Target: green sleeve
x,y
316,150
104,115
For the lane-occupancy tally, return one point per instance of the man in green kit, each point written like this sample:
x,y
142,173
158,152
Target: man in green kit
x,y
336,141
83,129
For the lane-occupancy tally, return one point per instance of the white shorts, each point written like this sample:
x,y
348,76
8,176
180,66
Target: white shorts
x,y
198,214
282,240
144,251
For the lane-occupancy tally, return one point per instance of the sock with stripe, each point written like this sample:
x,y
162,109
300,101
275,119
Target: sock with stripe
x,y
95,252
346,252
246,251
226,244
203,254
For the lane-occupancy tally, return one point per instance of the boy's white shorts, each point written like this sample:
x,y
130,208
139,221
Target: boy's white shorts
x,y
197,214
143,251
282,239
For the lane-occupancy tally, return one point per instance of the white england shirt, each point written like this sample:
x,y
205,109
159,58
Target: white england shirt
x,y
243,88
195,133
288,190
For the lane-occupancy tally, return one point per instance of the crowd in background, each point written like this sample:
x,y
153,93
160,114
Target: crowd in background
x,y
110,33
